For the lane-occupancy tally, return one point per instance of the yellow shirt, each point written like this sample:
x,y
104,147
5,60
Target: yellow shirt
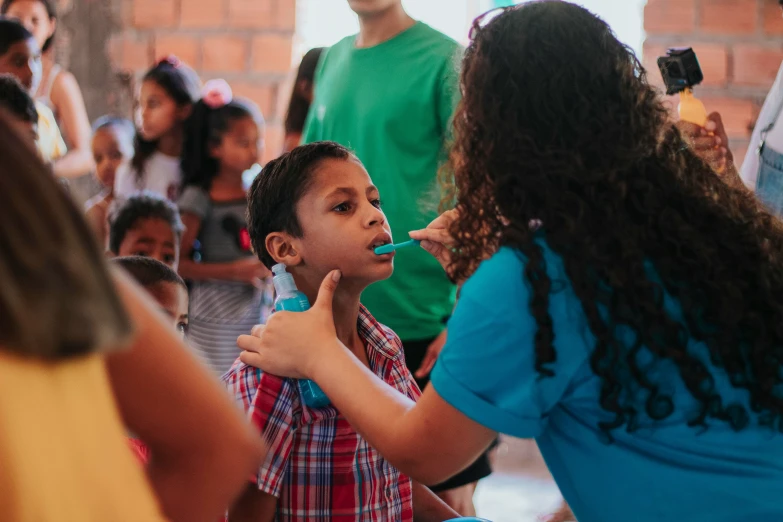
x,y
63,451
50,142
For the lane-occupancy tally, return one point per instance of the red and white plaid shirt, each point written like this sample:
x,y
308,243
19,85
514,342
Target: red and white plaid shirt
x,y
317,465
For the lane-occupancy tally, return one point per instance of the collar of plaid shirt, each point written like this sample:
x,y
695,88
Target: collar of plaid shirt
x,y
317,465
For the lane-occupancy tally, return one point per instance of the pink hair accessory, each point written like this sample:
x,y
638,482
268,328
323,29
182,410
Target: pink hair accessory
x,y
217,94
171,60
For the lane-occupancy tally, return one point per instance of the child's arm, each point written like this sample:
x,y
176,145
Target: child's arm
x,y
253,506
202,451
427,507
246,270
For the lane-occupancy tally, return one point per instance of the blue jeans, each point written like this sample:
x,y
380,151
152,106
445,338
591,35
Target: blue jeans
x,y
769,186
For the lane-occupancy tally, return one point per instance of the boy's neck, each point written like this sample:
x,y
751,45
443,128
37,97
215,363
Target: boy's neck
x,y
376,29
345,308
170,144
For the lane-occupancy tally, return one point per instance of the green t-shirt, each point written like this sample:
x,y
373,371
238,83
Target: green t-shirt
x,y
392,105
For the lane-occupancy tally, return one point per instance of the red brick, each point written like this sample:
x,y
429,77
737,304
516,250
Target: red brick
x,y
756,65
202,13
670,16
130,54
285,16
737,114
258,14
186,48
273,141
265,96
224,54
154,13
728,16
771,14
272,53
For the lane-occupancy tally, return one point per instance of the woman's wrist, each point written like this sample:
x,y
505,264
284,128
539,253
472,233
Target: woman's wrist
x,y
324,359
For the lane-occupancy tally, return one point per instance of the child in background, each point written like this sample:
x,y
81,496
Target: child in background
x,y
228,295
58,89
168,92
148,225
15,100
112,148
170,292
20,56
315,209
301,98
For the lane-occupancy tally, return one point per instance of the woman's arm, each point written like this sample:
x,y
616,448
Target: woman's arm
x,y
417,438
247,270
69,103
202,450
427,507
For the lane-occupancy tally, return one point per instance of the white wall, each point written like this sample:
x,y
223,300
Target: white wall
x,y
323,22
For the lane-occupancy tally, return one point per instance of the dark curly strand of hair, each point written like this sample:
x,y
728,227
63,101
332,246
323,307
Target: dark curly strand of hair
x,y
559,124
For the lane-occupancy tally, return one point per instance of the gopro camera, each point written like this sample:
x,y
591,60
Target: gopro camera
x,y
680,70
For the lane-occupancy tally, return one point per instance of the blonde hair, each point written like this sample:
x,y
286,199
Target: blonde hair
x,y
57,298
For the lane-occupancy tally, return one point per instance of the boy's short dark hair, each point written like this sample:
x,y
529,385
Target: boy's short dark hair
x,y
149,272
279,187
124,215
15,99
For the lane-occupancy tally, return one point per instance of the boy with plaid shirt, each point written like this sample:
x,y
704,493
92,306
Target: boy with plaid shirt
x,y
315,209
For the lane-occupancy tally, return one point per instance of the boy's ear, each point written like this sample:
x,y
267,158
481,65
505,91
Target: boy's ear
x,y
280,246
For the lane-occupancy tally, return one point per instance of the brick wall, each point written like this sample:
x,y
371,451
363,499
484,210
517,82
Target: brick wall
x,y
740,47
247,42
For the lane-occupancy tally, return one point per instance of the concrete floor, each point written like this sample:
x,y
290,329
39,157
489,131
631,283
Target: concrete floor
x,y
520,489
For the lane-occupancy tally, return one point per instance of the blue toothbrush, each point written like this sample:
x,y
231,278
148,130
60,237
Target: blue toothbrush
x,y
388,249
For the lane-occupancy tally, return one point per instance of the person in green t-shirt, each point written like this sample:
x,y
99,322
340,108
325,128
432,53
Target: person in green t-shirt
x,y
389,94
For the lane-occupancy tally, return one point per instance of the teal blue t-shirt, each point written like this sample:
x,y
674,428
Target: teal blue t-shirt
x,y
663,471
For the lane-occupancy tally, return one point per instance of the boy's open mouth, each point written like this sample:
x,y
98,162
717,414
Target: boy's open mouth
x,y
380,240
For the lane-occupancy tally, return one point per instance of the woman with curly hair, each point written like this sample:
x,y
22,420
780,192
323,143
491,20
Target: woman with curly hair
x,y
621,305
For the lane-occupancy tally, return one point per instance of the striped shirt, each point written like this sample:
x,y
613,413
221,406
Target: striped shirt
x,y
317,465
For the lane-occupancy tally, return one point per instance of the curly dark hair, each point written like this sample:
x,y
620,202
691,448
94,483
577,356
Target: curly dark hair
x,y
15,99
124,215
559,125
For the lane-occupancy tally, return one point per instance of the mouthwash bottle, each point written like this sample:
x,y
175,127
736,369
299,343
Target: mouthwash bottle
x,y
290,299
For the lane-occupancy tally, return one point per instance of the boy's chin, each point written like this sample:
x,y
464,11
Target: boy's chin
x,y
371,273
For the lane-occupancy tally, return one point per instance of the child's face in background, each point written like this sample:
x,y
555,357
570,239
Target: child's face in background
x,y
342,223
33,16
173,300
240,147
159,113
151,237
111,148
23,60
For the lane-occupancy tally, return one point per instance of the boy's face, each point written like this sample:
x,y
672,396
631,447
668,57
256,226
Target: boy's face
x,y
173,300
342,223
151,237
23,60
109,153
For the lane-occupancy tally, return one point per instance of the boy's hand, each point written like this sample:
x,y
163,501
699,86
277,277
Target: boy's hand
x,y
292,344
436,238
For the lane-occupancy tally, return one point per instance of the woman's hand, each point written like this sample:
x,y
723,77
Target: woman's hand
x,y
710,142
293,344
436,238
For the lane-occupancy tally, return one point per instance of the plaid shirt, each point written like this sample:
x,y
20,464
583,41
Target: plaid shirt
x,y
317,465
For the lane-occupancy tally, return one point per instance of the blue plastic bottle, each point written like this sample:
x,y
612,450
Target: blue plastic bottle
x,y
290,299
